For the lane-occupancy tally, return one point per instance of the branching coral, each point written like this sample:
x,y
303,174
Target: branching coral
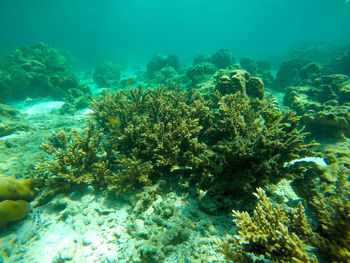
x,y
157,129
245,149
333,213
75,160
272,233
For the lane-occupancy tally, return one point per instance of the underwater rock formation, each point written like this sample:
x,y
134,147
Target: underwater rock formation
x,y
341,64
324,105
36,70
11,121
292,72
107,74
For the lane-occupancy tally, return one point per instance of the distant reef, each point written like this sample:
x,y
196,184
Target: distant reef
x,y
37,70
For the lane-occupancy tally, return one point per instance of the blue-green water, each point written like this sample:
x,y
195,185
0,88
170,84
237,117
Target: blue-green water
x,y
136,131
132,31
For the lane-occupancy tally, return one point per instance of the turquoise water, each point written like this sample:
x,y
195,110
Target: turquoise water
x,y
174,131
134,30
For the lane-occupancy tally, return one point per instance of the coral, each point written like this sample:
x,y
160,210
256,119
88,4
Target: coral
x,y
229,82
166,76
320,53
14,197
107,74
75,160
13,210
159,61
14,189
289,73
200,72
223,58
155,133
36,70
201,58
340,64
271,233
323,105
258,68
333,213
244,149
222,144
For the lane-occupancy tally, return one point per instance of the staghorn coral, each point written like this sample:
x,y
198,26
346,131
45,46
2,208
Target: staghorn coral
x,y
208,141
271,233
244,149
333,214
75,160
156,130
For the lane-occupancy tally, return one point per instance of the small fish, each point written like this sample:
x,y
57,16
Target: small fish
x,y
129,80
114,121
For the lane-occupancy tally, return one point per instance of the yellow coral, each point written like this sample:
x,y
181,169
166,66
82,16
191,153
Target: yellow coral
x,y
273,233
11,210
13,189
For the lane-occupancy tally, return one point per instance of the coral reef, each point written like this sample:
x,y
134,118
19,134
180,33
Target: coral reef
x,y
107,74
159,61
324,105
340,64
201,58
223,58
271,233
232,81
293,71
13,210
14,189
200,72
210,142
321,53
258,68
333,214
36,70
